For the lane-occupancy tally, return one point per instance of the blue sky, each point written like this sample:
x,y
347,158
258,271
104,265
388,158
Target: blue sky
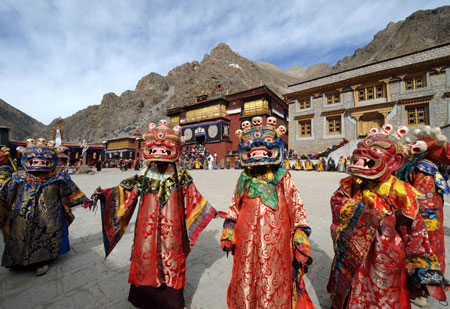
x,y
57,57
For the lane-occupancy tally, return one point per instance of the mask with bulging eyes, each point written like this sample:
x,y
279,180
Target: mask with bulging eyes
x,y
39,159
162,144
376,158
261,146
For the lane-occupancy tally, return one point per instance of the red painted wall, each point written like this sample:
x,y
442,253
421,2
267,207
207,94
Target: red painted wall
x,y
221,149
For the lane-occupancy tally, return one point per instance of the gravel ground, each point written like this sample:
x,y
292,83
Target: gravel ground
x,y
84,279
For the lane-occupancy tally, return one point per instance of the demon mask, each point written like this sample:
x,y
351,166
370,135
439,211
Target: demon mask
x,y
39,157
162,143
260,145
379,155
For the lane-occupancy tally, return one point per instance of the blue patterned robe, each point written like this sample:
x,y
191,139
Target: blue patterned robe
x,y
35,215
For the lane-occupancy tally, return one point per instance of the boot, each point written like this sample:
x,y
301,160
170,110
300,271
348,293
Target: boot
x,y
42,270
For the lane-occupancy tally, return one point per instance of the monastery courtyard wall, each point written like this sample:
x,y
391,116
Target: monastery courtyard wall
x,y
84,279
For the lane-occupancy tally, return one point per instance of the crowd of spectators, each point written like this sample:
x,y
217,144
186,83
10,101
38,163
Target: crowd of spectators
x,y
322,164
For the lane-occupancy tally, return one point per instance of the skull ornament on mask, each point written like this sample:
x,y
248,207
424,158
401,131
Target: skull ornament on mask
x,y
246,125
261,145
272,122
162,143
379,155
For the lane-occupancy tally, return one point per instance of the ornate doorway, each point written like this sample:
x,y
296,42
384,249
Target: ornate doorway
x,y
369,121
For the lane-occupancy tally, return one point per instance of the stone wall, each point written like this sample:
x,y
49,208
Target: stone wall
x,y
437,88
426,55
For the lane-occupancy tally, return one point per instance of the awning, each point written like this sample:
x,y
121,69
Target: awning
x,y
337,112
304,117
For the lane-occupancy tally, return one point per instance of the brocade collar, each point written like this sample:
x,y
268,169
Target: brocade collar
x,y
394,193
263,185
33,184
151,181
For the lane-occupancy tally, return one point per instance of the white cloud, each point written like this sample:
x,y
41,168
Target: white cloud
x,y
57,57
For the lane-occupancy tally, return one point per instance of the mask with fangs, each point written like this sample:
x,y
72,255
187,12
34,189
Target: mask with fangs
x,y
39,159
162,143
378,156
261,146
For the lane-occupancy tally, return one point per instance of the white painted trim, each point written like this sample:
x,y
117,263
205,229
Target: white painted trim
x,y
233,111
277,112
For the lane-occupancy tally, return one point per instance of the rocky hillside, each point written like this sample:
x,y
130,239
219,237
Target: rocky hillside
x,y
421,30
21,124
224,70
219,72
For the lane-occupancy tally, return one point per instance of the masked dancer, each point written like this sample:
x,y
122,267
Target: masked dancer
x,y
171,215
379,235
266,227
35,209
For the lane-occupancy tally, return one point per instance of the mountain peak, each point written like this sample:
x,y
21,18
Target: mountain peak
x,y
225,71
223,51
222,47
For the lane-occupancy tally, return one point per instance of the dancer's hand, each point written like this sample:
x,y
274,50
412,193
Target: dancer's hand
x,y
227,246
97,195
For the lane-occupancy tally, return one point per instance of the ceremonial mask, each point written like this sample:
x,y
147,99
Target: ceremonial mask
x,y
162,143
379,155
39,156
261,145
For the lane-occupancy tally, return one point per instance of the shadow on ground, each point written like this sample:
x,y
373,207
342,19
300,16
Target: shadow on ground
x,y
205,253
447,231
318,274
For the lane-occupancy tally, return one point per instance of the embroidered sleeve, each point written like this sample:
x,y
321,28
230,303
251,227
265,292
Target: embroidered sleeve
x,y
302,247
117,207
7,193
233,211
337,202
72,195
295,202
5,174
199,212
421,263
227,240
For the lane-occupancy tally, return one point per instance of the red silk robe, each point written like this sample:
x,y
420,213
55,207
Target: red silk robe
x,y
264,251
164,232
379,239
